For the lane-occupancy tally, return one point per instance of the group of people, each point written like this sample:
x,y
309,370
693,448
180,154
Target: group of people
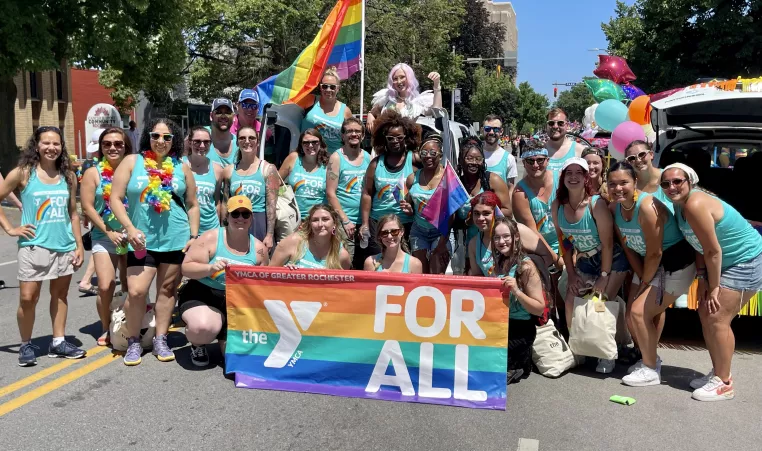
x,y
189,206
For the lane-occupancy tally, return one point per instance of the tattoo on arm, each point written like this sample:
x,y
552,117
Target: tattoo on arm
x,y
333,175
271,193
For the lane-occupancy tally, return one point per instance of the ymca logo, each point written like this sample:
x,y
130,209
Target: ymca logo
x,y
290,337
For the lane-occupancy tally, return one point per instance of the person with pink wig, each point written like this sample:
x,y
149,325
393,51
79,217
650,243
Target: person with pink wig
x,y
401,94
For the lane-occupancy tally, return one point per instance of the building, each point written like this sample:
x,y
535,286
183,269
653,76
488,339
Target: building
x,y
503,12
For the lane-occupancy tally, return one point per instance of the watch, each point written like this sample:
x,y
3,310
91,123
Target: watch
x,y
194,237
604,274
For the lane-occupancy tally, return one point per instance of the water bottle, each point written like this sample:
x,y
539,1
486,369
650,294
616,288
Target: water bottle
x,y
364,236
140,254
122,248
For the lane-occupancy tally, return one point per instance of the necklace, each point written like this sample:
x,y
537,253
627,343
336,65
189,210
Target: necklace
x,y
159,190
578,204
107,175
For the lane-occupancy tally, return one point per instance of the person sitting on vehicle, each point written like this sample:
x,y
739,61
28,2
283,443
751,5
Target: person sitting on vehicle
x,y
315,245
327,114
394,256
401,95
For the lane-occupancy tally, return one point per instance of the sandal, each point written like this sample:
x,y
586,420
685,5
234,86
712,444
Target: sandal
x,y
92,291
105,339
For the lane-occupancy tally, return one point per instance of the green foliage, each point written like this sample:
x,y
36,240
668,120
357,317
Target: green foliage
x,y
494,95
575,100
532,108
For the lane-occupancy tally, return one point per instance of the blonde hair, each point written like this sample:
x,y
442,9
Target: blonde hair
x,y
332,261
332,71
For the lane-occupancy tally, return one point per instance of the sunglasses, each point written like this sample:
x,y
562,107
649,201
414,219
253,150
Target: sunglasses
x,y
390,232
250,106
556,123
164,136
488,129
535,161
311,143
240,214
394,139
198,142
429,153
677,183
118,145
328,87
247,138
639,156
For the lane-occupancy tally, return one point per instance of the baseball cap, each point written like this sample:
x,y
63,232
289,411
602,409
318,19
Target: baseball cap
x,y
92,146
222,102
576,160
236,202
248,94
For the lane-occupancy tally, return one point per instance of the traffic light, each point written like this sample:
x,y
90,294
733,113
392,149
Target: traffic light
x,y
555,92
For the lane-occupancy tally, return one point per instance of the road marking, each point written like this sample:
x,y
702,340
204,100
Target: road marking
x,y
30,396
8,263
525,444
18,385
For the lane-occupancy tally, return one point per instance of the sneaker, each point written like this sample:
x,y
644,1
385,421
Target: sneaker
x,y
65,350
134,353
605,366
27,356
199,356
639,364
703,380
642,377
161,350
514,375
715,390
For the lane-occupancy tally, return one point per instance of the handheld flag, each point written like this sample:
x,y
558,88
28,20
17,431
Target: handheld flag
x,y
400,190
449,196
338,43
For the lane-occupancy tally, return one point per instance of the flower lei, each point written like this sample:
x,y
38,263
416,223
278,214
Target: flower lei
x,y
159,190
107,175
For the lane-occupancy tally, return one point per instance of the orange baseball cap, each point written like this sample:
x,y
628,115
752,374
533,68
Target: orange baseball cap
x,y
236,202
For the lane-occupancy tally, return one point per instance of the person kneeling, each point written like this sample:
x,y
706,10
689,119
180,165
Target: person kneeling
x,y
202,301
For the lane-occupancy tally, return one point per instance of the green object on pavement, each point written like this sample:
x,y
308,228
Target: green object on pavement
x,y
627,401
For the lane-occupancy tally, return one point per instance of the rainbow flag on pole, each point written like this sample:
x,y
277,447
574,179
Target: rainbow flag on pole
x,y
338,43
449,196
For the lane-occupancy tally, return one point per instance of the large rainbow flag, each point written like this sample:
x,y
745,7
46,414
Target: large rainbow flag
x,y
389,336
338,43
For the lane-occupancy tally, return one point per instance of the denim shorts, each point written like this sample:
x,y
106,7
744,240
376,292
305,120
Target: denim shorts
x,y
591,266
745,276
426,239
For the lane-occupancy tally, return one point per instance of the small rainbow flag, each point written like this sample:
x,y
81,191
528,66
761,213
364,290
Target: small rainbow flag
x,y
238,190
338,43
400,189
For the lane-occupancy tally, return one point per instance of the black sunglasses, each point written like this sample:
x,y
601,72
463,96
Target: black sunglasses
x,y
165,136
392,232
676,182
328,87
238,214
556,123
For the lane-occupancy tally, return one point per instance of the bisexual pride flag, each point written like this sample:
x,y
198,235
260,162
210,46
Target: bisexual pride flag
x,y
449,196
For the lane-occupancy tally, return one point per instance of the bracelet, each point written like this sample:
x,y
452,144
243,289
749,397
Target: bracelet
x,y
438,90
194,237
346,222
701,276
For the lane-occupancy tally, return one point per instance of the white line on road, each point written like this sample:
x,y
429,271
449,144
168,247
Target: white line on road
x,y
8,263
528,444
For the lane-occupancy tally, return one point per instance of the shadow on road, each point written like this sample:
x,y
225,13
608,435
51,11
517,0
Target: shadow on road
x,y
41,342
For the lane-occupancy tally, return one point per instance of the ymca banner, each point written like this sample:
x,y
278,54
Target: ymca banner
x,y
397,337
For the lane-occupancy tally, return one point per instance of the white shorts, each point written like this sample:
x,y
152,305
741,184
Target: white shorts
x,y
104,247
37,264
676,283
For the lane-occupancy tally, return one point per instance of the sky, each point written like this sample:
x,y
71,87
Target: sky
x,y
554,38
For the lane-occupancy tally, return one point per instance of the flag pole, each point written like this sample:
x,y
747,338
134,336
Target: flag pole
x,y
362,61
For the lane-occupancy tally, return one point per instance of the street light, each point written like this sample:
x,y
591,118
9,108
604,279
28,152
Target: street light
x,y
596,49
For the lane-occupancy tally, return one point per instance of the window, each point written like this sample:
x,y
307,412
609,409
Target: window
x,y
34,87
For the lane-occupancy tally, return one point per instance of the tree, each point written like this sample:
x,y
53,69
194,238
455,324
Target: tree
x,y
673,43
532,109
575,101
494,95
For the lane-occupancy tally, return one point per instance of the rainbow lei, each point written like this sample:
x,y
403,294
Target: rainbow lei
x,y
107,175
159,190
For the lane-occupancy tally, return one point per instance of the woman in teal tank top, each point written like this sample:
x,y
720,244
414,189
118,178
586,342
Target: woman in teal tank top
x,y
161,221
202,301
259,181
109,242
208,177
49,237
327,114
729,267
305,171
394,256
661,260
640,155
315,245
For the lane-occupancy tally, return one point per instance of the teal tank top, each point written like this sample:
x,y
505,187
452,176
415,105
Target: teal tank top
x,y
251,186
405,264
167,231
224,161
309,261
541,214
583,234
501,167
737,238
384,202
47,208
111,221
217,280
633,234
328,126
659,194
555,165
516,310
206,184
484,258
420,197
349,189
309,187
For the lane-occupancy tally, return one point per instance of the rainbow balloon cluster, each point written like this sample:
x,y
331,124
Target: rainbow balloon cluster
x,y
107,176
159,191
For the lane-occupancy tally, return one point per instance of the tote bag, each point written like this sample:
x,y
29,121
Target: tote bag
x,y
593,330
550,353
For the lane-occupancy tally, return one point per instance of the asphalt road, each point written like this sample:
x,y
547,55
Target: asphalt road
x,y
98,403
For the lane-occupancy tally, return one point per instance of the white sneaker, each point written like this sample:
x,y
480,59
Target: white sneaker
x,y
642,377
639,363
605,366
703,380
715,390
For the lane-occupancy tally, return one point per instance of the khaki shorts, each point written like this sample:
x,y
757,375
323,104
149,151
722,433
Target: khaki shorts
x,y
37,264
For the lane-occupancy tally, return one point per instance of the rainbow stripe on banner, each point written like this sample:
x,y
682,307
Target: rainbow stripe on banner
x,y
338,43
398,337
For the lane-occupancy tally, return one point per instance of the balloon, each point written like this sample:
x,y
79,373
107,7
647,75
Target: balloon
x,y
663,94
610,113
589,120
640,110
625,133
605,89
614,68
632,91
615,153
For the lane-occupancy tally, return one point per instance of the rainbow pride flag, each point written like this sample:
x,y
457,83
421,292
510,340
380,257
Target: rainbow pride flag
x,y
387,336
338,43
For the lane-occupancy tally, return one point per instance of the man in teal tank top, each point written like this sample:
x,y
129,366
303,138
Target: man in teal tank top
x,y
560,147
499,160
224,146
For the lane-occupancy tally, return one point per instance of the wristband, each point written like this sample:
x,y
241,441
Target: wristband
x,y
346,222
